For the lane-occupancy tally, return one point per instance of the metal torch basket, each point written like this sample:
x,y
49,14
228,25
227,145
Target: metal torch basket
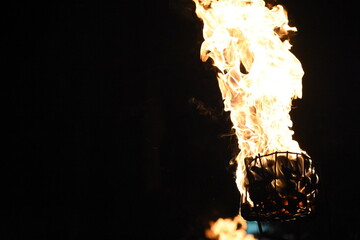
x,y
281,186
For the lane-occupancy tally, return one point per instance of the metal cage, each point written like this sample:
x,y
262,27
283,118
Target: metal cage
x,y
279,186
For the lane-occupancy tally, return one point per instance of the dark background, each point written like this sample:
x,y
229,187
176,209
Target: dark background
x,y
116,128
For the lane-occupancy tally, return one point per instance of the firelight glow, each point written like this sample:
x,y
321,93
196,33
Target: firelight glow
x,y
229,229
258,75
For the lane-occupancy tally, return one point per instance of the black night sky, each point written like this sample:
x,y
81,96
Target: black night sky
x,y
117,129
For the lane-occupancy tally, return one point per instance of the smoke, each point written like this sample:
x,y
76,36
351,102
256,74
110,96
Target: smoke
x,y
204,110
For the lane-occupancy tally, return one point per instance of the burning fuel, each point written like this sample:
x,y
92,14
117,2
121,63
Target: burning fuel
x,y
259,77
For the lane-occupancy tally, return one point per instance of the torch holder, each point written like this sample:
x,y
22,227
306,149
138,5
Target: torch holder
x,y
279,186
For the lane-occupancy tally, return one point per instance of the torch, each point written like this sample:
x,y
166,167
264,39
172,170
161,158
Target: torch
x,y
259,77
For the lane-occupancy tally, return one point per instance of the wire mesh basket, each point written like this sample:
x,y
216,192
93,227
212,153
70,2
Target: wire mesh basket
x,y
279,186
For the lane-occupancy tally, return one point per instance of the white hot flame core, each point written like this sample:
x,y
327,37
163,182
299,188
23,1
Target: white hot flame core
x,y
258,75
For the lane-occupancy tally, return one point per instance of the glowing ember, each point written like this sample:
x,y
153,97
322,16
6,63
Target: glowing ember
x,y
258,75
229,229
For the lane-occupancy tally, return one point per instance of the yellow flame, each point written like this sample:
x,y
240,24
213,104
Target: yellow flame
x,y
229,229
258,75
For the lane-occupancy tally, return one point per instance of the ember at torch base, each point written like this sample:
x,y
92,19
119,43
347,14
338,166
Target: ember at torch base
x,y
274,210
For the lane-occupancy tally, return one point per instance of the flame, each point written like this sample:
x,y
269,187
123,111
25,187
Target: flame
x,y
258,75
229,229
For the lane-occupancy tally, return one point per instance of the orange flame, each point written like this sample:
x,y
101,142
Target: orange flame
x,y
258,75
229,229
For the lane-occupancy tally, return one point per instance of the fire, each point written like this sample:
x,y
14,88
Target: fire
x,y
258,75
229,229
